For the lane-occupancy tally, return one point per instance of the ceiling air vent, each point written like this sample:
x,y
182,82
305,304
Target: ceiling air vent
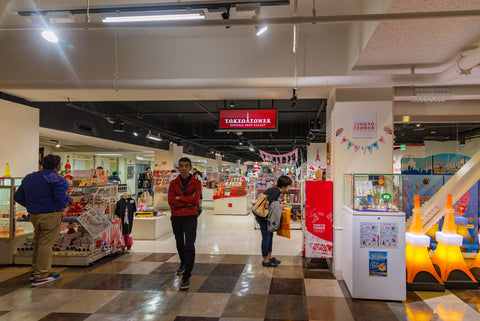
x,y
84,128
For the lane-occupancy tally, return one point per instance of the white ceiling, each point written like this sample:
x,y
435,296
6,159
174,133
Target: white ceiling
x,y
194,63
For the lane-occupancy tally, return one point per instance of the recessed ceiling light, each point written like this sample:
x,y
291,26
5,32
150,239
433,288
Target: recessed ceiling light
x,y
433,132
50,36
418,125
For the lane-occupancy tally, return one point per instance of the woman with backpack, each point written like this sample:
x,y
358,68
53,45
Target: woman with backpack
x,y
270,224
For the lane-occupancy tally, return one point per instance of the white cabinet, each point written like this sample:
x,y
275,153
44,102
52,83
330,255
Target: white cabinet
x,y
233,205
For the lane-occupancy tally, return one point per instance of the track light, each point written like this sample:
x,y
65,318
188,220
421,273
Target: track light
x,y
260,30
153,137
251,148
50,36
118,127
461,141
232,104
135,133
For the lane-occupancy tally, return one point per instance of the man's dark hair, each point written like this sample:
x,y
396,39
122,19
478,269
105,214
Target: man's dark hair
x,y
284,181
197,173
51,161
185,160
99,167
146,169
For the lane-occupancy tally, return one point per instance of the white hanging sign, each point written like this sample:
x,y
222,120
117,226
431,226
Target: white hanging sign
x,y
364,126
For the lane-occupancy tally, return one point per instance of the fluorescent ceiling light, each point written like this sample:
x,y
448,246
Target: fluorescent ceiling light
x,y
260,30
108,154
50,36
159,17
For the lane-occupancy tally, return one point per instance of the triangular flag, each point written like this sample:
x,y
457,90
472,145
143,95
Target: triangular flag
x,y
369,148
356,147
344,140
381,140
375,145
349,144
363,150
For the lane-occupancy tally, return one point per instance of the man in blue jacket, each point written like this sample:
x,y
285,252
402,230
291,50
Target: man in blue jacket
x,y
44,194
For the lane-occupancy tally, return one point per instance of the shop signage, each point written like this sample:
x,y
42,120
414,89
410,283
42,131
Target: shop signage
x,y
364,126
319,219
248,120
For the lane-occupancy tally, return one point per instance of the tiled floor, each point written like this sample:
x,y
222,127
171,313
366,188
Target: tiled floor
x,y
235,287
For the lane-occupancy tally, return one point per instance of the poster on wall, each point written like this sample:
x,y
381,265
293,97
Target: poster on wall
x,y
364,126
377,263
388,235
130,172
440,164
368,234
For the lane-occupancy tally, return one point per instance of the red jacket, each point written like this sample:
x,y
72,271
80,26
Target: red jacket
x,y
187,204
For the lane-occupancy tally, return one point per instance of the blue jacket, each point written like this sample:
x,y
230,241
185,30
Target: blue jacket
x,y
43,192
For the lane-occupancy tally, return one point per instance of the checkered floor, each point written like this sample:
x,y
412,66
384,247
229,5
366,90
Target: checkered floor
x,y
144,286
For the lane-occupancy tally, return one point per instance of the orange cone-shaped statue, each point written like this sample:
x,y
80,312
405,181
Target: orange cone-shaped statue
x,y
421,274
447,256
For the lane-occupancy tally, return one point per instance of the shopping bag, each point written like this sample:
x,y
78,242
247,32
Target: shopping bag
x,y
260,207
284,229
146,198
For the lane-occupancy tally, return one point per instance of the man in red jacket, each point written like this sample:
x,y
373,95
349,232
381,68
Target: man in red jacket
x,y
183,198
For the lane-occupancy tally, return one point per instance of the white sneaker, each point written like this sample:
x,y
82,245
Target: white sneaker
x,y
48,279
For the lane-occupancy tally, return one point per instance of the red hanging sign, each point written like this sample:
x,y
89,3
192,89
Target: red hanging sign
x,y
248,119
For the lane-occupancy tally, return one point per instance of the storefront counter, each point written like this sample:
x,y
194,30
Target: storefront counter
x,y
151,228
230,205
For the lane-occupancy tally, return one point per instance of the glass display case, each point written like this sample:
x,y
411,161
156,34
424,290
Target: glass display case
x,y
12,222
374,192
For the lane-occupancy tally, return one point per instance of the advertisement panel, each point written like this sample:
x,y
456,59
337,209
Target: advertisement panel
x,y
318,219
248,120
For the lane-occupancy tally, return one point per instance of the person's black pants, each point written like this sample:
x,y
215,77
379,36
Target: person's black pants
x,y
185,231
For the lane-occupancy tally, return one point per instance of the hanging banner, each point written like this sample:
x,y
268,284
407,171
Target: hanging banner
x,y
381,140
344,140
375,145
349,144
364,125
369,148
356,147
284,159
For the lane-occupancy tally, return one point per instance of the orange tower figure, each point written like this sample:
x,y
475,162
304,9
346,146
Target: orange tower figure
x,y
68,169
421,275
475,267
448,258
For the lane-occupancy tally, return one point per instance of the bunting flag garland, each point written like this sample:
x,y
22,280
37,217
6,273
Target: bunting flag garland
x,y
284,158
368,148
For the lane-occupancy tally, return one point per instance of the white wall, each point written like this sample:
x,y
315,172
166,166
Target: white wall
x,y
19,138
347,161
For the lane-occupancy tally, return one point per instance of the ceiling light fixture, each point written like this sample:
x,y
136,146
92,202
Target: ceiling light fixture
x,y
118,127
461,141
153,137
260,30
50,36
251,148
135,133
153,17
57,145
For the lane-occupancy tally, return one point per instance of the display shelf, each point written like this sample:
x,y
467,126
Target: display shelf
x,y
161,182
86,198
231,205
65,258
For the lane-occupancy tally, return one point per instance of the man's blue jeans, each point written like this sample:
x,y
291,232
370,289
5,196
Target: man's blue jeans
x,y
267,237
